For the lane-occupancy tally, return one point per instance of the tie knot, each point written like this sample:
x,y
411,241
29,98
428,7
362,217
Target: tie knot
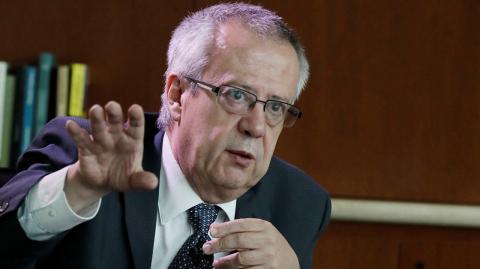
x,y
201,216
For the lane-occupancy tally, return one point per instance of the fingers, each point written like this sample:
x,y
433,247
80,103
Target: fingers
x,y
236,241
80,136
98,124
111,121
136,122
227,262
107,126
114,117
238,234
106,122
244,259
236,226
257,242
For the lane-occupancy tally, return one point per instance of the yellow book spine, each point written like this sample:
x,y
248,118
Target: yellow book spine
x,y
78,83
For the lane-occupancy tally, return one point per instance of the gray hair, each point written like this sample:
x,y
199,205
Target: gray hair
x,y
189,48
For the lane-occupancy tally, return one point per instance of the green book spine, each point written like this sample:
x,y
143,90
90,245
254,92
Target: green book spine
x,y
45,64
8,122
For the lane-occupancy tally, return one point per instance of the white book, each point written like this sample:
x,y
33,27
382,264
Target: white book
x,y
3,81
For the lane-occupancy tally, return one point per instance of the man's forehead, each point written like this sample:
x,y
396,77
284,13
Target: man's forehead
x,y
233,32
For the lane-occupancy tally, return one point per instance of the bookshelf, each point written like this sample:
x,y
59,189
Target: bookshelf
x,y
122,43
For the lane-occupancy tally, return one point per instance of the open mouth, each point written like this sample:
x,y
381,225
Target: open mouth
x,y
242,158
241,153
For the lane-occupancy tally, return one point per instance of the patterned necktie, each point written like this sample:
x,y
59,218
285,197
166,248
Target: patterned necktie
x,y
190,254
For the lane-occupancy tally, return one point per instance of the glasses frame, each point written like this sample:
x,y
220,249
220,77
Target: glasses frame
x,y
295,113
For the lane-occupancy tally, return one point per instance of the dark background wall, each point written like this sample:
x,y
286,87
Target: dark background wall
x,y
392,110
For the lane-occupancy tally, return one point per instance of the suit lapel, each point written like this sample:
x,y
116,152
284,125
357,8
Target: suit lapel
x,y
250,204
141,207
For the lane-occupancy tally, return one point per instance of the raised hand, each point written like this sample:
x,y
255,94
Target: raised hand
x,y
256,244
110,158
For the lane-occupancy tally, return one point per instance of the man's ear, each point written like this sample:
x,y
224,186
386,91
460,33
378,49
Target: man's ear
x,y
174,93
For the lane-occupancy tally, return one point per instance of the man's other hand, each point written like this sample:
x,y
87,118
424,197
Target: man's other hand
x,y
256,243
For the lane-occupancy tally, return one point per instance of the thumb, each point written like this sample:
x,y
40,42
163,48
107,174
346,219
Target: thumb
x,y
143,180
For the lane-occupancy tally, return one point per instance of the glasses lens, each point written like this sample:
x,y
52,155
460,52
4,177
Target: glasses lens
x,y
235,100
238,101
293,114
275,111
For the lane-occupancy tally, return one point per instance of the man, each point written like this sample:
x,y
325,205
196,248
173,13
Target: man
x,y
234,71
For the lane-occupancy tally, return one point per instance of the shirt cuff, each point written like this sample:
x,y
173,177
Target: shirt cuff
x,y
46,212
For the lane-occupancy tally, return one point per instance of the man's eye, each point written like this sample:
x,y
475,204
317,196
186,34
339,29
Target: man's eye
x,y
277,108
236,95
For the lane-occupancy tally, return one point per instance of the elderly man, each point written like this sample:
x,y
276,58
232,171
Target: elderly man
x,y
234,71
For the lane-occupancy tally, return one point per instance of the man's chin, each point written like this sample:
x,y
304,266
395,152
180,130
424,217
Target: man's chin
x,y
224,192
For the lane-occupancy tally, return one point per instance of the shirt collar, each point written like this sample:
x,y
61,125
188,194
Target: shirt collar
x,y
175,193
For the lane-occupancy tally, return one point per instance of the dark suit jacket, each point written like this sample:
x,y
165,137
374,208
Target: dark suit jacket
x,y
122,234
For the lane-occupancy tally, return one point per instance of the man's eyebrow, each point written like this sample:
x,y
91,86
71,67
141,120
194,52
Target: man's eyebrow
x,y
279,98
243,87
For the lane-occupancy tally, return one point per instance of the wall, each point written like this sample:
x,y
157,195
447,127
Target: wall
x,y
391,110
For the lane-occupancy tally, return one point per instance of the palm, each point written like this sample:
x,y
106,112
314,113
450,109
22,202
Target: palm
x,y
110,165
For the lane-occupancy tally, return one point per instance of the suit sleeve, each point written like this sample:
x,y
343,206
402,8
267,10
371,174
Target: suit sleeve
x,y
326,216
51,150
306,262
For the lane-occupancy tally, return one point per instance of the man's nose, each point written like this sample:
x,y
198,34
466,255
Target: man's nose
x,y
253,124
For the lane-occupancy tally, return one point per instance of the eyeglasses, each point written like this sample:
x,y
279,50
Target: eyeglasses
x,y
241,102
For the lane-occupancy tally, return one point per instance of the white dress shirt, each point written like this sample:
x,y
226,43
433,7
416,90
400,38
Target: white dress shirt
x,y
46,212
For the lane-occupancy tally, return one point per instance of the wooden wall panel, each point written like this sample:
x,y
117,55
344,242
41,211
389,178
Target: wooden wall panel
x,y
349,245
342,252
453,255
418,256
392,109
472,254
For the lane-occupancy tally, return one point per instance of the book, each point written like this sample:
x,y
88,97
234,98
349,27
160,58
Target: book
x,y
3,81
78,89
6,141
24,109
52,97
45,63
61,104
